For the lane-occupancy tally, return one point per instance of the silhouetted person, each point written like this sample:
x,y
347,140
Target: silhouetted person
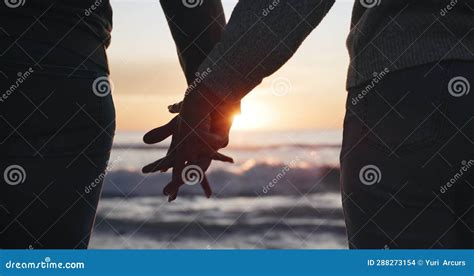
x,y
57,118
407,153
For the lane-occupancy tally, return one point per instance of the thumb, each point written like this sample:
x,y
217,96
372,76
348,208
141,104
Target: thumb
x,y
175,108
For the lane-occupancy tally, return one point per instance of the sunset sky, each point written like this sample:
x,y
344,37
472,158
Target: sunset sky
x,y
147,77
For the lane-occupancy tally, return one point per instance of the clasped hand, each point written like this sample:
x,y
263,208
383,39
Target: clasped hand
x,y
199,130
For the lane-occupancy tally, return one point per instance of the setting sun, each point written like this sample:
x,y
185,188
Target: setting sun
x,y
253,116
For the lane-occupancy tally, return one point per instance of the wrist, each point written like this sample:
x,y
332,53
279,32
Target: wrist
x,y
202,96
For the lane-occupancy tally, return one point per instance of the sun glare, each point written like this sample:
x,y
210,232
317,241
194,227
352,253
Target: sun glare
x,y
253,116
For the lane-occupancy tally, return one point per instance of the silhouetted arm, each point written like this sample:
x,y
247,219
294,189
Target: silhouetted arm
x,y
195,30
258,39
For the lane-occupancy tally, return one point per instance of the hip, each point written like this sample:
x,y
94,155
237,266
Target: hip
x,y
53,102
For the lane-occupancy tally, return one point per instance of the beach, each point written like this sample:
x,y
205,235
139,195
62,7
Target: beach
x,y
282,192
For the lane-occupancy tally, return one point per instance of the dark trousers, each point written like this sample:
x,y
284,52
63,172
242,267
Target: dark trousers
x,y
57,121
407,159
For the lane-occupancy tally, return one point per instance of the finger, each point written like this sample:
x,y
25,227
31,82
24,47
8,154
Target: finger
x,y
175,108
162,164
164,167
222,157
214,155
160,133
206,187
177,178
172,197
203,164
166,163
171,191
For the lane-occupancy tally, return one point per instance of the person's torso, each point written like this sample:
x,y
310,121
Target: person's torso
x,y
397,34
82,26
94,16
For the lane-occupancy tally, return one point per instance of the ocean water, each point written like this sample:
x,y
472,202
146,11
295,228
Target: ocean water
x,y
282,192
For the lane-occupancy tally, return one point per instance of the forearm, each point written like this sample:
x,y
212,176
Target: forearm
x,y
195,30
259,38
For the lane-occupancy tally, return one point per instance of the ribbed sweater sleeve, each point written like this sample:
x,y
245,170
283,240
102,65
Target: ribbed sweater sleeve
x,y
195,31
258,39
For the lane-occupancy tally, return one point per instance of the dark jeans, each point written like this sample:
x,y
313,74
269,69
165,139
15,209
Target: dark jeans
x,y
407,161
57,122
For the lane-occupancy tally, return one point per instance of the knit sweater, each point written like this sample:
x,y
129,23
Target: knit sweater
x,y
385,35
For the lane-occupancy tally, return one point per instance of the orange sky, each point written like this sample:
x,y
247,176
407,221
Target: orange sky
x,y
308,92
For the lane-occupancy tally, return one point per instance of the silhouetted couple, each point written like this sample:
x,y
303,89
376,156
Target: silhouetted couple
x,y
407,153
